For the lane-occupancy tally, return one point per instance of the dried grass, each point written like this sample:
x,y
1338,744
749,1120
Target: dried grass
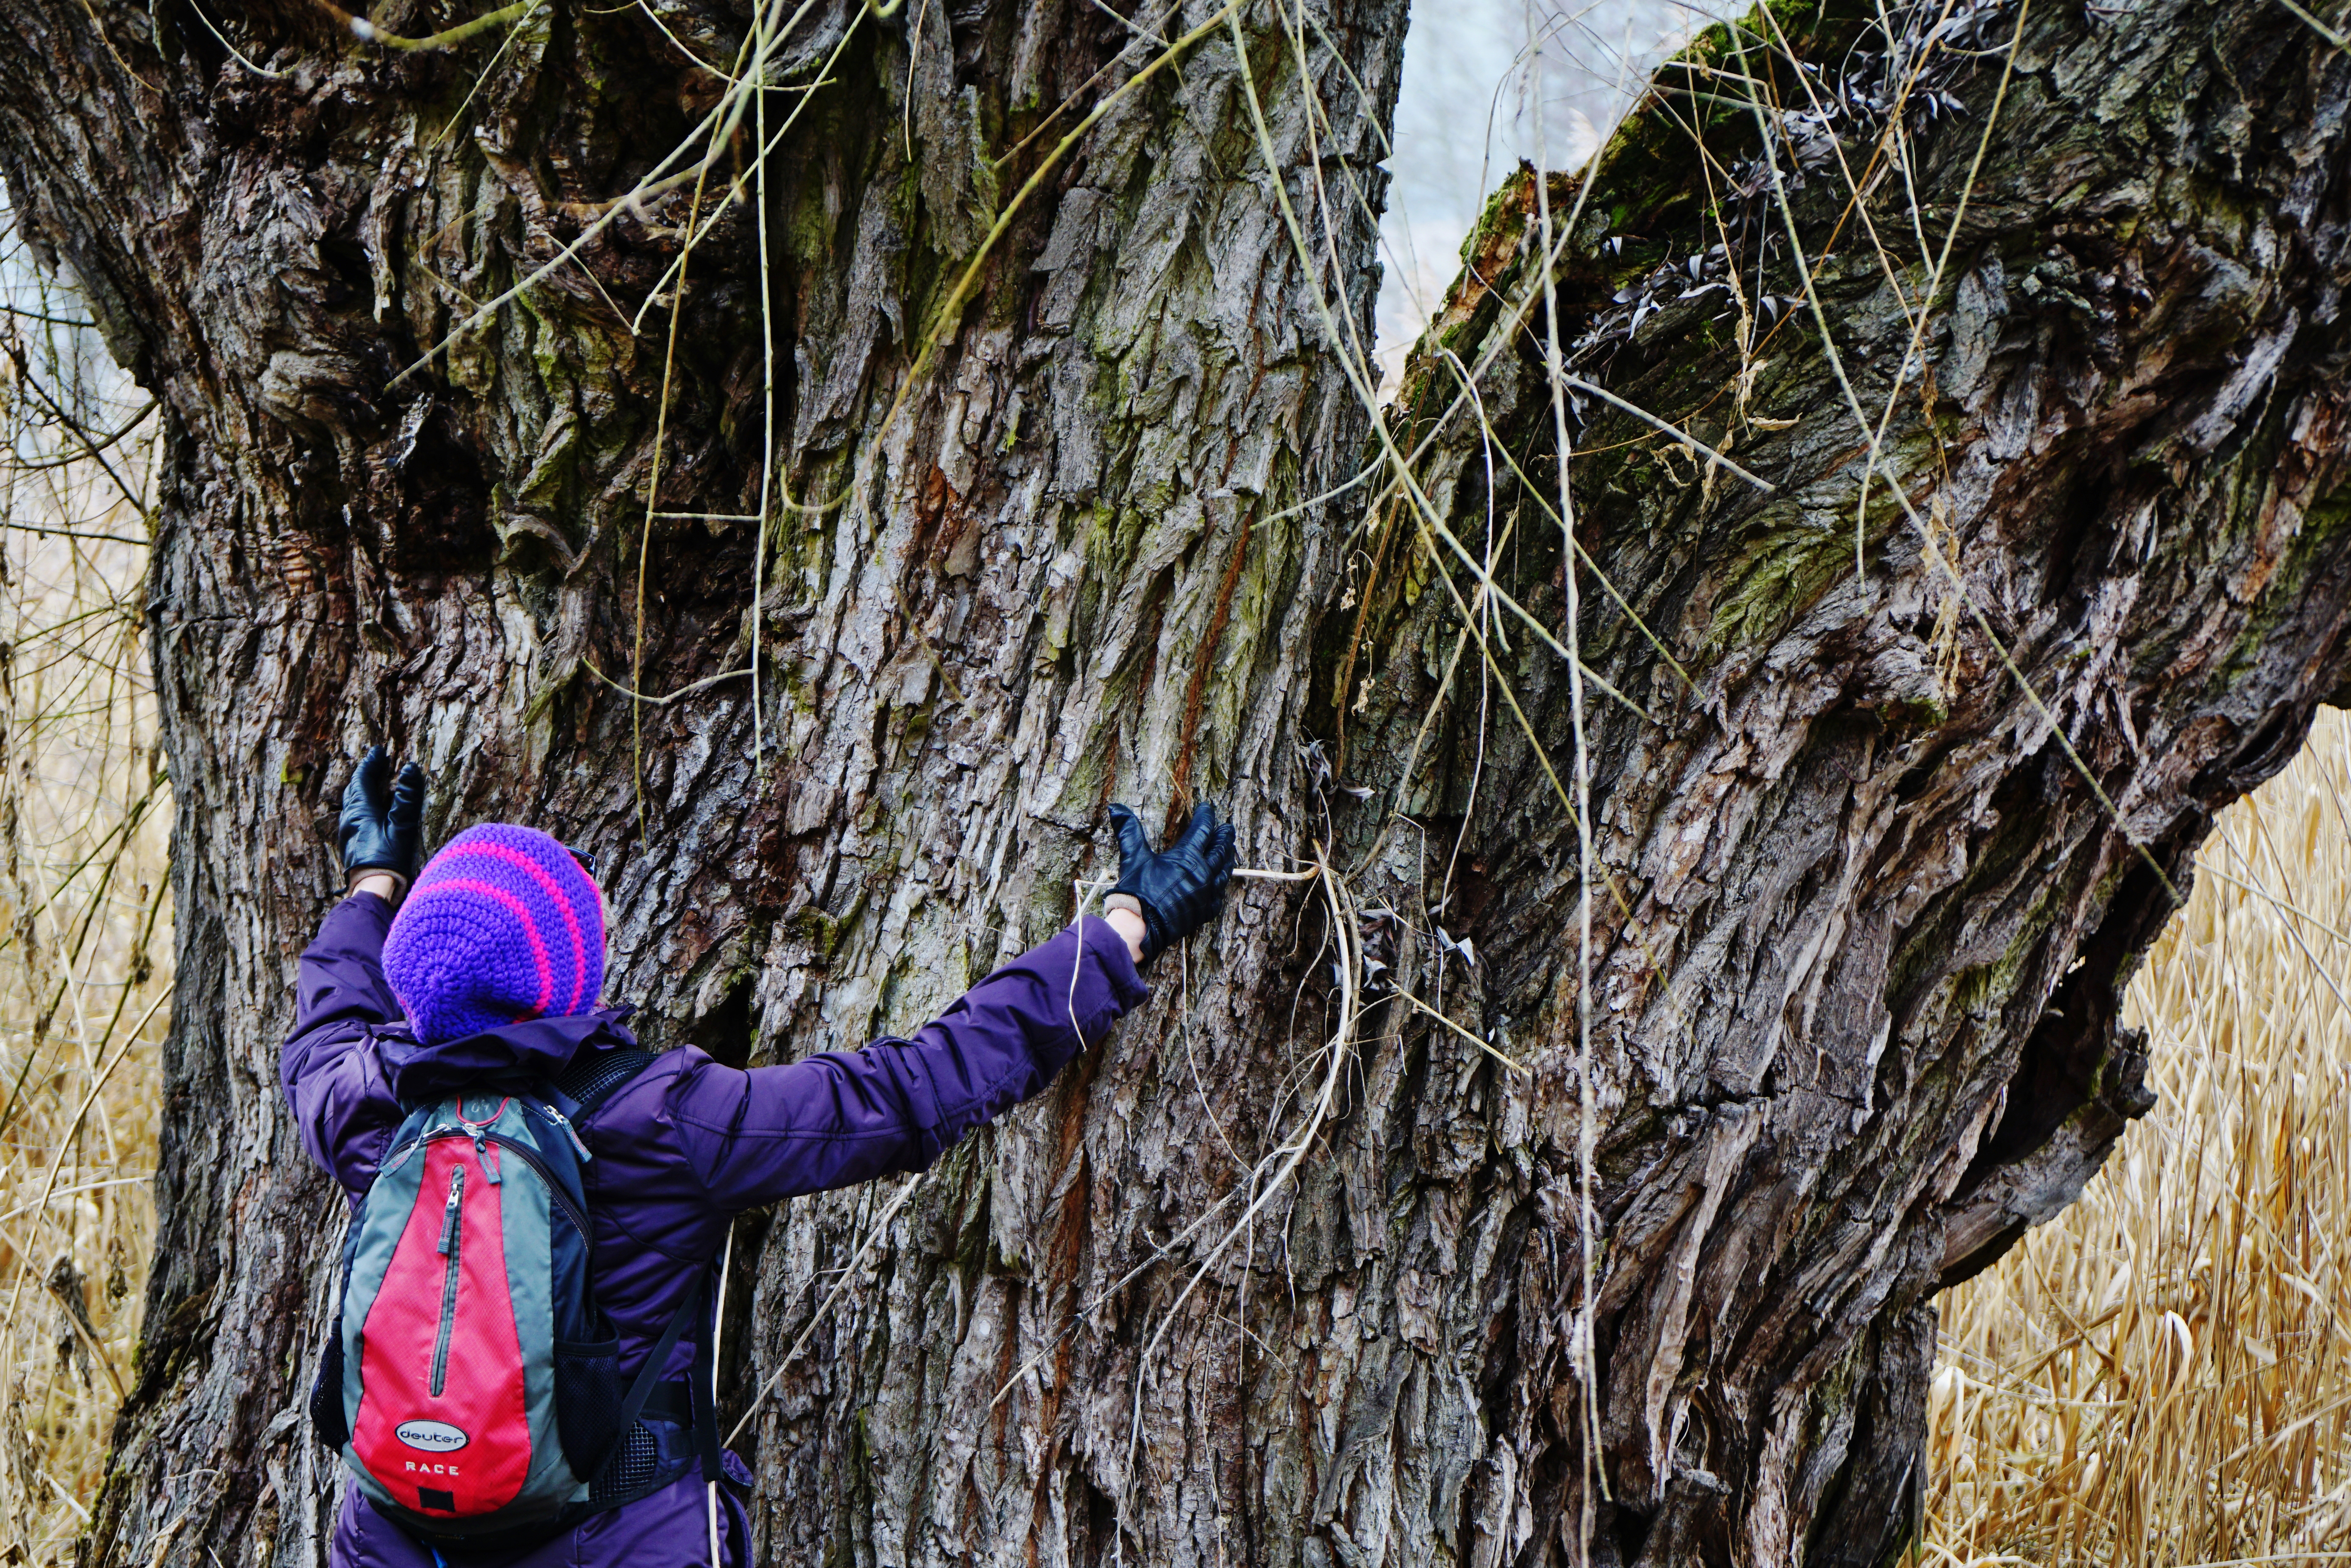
x,y
85,922
2162,1376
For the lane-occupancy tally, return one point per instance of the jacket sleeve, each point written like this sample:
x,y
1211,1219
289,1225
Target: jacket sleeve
x,y
833,1120
342,1103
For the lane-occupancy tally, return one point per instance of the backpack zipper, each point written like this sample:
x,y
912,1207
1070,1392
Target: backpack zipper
x,y
452,1232
531,1157
452,1218
564,1122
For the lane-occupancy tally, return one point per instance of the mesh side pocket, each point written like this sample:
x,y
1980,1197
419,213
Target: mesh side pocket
x,y
634,1461
587,1401
327,1418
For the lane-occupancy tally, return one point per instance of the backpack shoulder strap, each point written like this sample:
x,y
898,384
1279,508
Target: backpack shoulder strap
x,y
593,1077
633,1406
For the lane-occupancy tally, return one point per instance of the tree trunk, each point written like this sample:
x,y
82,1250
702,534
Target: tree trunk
x,y
1816,1018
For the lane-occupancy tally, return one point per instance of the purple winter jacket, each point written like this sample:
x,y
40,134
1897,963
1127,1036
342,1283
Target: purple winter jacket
x,y
678,1152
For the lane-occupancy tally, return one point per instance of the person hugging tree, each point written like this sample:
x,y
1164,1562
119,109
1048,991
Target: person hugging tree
x,y
520,1371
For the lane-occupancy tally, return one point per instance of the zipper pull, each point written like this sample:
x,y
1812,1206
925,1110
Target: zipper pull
x,y
488,1159
564,1122
453,1211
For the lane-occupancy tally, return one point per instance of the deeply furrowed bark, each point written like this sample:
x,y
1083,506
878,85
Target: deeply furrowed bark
x,y
1860,916
1866,894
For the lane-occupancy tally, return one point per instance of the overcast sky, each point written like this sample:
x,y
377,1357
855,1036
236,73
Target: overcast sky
x,y
1475,74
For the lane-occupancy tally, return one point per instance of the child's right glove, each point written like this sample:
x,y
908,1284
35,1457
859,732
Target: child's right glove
x,y
1182,888
383,819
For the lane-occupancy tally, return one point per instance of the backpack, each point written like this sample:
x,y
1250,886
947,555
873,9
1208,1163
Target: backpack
x,y
471,1383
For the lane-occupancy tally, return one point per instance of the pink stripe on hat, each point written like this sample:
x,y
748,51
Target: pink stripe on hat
x,y
531,868
521,911
466,953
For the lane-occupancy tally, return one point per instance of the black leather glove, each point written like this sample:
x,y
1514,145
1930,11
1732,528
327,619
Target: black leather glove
x,y
383,819
1182,888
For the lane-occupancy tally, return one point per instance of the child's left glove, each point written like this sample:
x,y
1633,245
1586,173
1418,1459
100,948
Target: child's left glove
x,y
382,826
1182,888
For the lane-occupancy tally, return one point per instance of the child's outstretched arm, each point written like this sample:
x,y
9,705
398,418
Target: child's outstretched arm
x,y
833,1120
343,1106
342,1103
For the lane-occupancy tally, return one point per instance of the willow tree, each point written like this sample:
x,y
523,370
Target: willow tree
x,y
1728,728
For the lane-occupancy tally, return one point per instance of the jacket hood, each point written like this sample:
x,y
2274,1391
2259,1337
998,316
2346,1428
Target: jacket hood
x,y
533,1048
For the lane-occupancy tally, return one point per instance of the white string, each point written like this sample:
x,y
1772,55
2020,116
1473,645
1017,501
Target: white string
x,y
232,48
717,1328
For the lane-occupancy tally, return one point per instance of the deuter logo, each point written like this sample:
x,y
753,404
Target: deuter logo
x,y
433,1436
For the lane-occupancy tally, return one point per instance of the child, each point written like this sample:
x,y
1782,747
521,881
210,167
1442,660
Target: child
x,y
491,972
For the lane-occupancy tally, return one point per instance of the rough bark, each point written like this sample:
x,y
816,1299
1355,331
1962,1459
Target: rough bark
x,y
1867,895
1860,917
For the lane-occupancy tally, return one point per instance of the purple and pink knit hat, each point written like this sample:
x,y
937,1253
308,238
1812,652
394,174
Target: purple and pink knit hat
x,y
503,925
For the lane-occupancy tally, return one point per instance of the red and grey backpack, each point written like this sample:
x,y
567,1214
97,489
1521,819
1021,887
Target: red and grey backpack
x,y
471,1383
